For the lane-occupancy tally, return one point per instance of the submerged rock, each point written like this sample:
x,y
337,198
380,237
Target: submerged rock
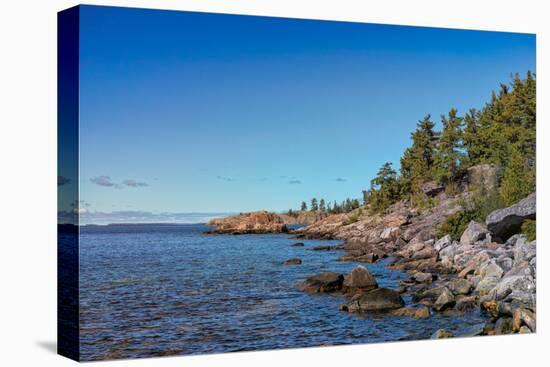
x,y
418,313
327,248
292,262
298,244
323,283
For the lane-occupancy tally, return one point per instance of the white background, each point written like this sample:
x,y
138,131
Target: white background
x,y
28,181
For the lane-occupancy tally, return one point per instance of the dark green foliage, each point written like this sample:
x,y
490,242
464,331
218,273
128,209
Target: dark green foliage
x,y
292,213
366,195
509,119
354,217
322,206
417,161
481,203
455,225
314,206
385,189
518,180
449,155
529,229
503,132
472,138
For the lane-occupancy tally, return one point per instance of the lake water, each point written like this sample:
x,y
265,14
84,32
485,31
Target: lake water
x,y
152,290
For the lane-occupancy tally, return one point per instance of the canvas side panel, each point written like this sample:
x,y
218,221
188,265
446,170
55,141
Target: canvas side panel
x,y
68,343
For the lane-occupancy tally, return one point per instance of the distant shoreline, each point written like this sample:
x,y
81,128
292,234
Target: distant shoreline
x,y
167,224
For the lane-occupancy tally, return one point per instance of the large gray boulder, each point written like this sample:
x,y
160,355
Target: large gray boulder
x,y
323,283
443,242
432,188
506,222
380,299
460,286
444,301
474,232
510,284
524,250
360,279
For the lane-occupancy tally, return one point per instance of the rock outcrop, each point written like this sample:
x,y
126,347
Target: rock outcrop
x,y
503,223
249,223
303,217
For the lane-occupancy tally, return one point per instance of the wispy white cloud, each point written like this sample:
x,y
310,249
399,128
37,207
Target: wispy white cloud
x,y
133,183
104,181
224,178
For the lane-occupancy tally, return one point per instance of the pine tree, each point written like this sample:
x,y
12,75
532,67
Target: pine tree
x,y
366,194
449,156
472,138
347,206
322,207
314,206
418,160
385,189
303,206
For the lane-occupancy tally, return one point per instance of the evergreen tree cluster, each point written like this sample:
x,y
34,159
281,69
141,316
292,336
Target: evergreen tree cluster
x,y
503,132
322,206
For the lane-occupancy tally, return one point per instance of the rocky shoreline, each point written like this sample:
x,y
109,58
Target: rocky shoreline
x,y
479,271
490,268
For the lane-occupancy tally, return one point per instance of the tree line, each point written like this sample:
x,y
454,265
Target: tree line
x,y
322,206
502,132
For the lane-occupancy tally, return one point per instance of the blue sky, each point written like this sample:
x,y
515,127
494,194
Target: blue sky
x,y
195,112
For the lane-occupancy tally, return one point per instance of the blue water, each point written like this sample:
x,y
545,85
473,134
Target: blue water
x,y
150,290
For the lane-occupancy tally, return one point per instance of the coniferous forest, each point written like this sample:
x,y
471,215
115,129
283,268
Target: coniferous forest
x,y
501,133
